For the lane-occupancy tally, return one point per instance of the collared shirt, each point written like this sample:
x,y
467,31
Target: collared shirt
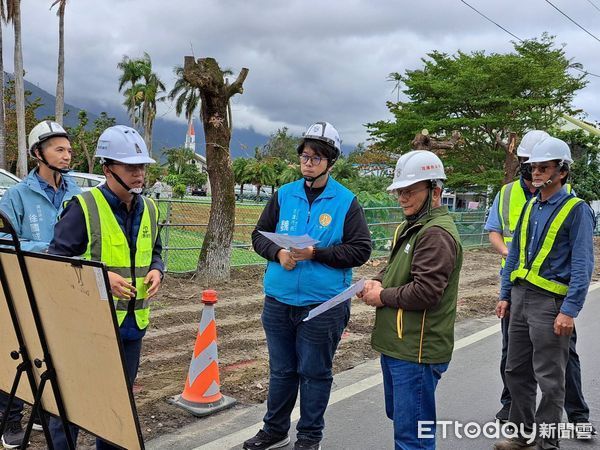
x,y
493,220
70,239
571,260
56,196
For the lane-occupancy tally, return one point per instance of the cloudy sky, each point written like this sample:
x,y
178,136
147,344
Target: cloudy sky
x,y
308,60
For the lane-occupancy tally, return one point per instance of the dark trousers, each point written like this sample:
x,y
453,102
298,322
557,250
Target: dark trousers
x,y
15,413
536,356
131,350
575,404
300,357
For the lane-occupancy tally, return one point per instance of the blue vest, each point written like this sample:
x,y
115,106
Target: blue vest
x,y
310,282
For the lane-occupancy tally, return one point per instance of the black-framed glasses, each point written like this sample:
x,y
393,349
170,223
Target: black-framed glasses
x,y
315,160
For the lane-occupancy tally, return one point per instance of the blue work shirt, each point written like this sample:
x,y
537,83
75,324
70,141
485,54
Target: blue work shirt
x,y
70,239
571,260
57,196
493,220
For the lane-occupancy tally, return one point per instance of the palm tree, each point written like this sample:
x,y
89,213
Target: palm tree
x,y
143,93
186,96
240,173
152,88
290,173
13,14
60,80
132,72
2,116
260,173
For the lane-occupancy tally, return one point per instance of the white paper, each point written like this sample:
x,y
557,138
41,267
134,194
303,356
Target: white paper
x,y
341,297
100,283
285,241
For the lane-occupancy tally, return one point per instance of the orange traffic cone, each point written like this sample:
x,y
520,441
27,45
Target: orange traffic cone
x,y
201,394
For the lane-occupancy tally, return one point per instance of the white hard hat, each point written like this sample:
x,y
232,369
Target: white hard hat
x,y
44,131
549,150
415,166
530,140
324,131
123,144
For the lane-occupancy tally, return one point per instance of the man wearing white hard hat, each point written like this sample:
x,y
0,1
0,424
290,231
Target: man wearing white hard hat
x,y
501,223
125,229
544,284
32,207
415,296
298,280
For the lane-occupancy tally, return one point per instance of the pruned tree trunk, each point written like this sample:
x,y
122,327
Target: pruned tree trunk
x,y
207,76
19,94
511,162
60,80
2,114
423,141
148,125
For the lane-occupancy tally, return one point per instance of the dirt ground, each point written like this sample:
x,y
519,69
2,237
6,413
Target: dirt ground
x,y
242,349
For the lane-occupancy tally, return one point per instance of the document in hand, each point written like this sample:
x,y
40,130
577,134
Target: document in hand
x,y
285,241
341,297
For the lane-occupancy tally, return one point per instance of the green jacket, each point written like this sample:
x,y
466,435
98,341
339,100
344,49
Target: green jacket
x,y
425,336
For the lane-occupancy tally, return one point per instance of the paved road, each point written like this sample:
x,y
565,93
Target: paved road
x,y
355,419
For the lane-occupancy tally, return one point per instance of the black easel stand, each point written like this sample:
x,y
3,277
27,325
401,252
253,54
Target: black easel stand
x,y
49,374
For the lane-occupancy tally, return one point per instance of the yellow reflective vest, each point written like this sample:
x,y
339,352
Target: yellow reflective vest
x,y
108,243
510,205
531,271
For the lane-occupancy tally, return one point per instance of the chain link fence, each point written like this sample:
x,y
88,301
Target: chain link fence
x,y
184,224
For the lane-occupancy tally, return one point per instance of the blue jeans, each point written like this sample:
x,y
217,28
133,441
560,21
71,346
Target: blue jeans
x,y
15,413
409,390
131,351
300,356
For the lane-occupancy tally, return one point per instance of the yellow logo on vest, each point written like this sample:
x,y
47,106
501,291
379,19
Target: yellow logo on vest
x,y
325,219
145,231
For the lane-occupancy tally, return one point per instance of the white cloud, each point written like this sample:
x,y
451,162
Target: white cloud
x,y
308,60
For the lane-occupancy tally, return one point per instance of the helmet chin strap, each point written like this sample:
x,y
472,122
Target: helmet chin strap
x,y
50,166
312,180
425,207
122,183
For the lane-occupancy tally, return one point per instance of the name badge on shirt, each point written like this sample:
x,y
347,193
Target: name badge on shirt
x,y
407,248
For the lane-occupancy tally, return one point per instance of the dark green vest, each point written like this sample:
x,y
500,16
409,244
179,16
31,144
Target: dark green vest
x,y
425,336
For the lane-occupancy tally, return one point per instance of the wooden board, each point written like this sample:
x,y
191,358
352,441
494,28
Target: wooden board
x,y
82,336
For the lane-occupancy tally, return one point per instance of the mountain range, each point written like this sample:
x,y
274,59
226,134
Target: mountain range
x,y
166,134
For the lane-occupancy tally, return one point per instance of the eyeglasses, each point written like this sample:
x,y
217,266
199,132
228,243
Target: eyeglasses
x,y
315,160
132,168
541,167
408,193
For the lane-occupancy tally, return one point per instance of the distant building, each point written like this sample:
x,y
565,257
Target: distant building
x,y
199,161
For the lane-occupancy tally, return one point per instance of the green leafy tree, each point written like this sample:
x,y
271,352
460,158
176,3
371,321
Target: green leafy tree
x,y
240,173
585,170
343,169
291,172
181,170
85,139
484,97
281,145
261,173
11,114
